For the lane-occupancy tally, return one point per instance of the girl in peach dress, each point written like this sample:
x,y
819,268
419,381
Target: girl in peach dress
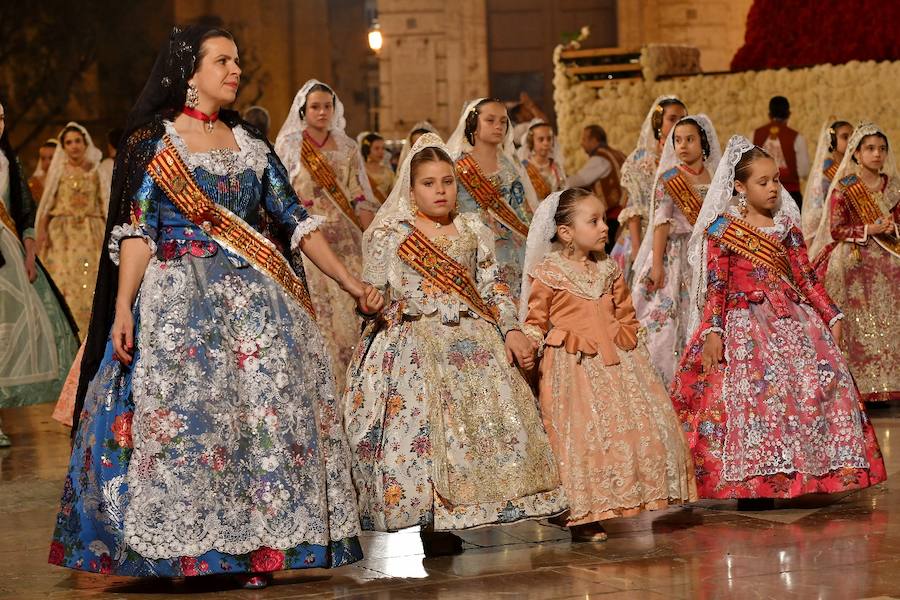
x,y
618,443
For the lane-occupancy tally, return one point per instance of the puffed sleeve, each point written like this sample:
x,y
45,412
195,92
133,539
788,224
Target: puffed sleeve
x,y
716,288
665,208
842,227
807,281
491,286
281,203
144,223
537,321
381,252
626,337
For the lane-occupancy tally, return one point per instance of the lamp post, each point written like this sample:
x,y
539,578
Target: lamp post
x,y
375,44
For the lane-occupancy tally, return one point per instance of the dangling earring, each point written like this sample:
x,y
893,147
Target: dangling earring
x,y
742,203
570,248
192,99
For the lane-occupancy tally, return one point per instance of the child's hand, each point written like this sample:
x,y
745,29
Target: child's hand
x,y
879,227
657,277
519,347
370,301
712,352
837,331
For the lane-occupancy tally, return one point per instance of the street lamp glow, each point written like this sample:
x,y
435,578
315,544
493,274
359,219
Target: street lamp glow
x,y
375,39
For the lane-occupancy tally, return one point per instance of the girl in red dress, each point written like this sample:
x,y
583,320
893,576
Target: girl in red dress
x,y
762,390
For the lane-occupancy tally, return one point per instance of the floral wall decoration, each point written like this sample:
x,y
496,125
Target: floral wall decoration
x,y
803,33
737,103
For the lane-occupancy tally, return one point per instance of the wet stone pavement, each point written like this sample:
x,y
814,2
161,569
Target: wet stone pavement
x,y
838,547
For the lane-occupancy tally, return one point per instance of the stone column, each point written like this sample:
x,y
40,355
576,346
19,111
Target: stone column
x,y
433,60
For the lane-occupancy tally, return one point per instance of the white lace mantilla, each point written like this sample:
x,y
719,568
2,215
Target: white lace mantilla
x,y
253,154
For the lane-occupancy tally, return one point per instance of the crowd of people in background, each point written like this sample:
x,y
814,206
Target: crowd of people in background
x,y
285,343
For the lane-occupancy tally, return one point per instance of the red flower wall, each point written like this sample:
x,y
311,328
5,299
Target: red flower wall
x,y
802,33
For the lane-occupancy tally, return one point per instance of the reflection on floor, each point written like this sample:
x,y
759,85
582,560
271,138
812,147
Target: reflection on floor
x,y
840,547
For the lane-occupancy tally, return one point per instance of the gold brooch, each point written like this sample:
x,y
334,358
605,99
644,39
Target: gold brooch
x,y
178,184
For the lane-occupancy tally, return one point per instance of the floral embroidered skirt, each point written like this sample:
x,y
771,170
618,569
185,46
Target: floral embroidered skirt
x,y
782,417
863,281
38,340
444,433
664,312
618,443
220,448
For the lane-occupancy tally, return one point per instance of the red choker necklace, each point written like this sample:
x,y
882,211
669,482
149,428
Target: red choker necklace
x,y
209,121
309,136
687,169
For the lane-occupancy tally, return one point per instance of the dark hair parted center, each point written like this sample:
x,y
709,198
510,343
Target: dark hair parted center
x,y
864,138
426,155
69,129
202,49
472,118
704,140
319,87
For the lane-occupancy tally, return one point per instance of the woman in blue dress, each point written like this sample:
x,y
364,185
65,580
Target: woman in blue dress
x,y
207,438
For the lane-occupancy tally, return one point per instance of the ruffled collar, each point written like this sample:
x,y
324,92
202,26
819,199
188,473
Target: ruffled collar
x,y
559,273
251,154
779,230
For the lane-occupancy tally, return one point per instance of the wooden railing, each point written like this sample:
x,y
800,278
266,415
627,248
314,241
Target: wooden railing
x,y
596,66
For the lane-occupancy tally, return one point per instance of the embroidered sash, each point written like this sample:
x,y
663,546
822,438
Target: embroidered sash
x,y
446,274
487,195
323,175
537,180
831,171
374,185
7,219
174,178
746,240
868,211
683,194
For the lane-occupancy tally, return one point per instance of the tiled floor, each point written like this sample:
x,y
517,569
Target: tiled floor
x,y
840,548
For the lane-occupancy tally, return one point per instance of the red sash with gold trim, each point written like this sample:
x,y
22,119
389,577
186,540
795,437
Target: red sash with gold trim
x,y
487,195
831,171
684,195
446,274
862,203
175,179
868,211
323,175
374,185
537,180
746,240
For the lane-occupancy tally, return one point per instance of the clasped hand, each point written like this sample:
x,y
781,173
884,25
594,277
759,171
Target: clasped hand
x,y
519,349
